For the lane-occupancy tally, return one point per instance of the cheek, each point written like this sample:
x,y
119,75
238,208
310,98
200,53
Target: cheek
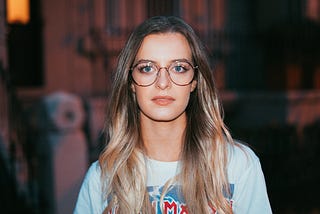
x,y
184,99
140,95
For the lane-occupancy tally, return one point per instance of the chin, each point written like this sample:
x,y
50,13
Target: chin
x,y
168,117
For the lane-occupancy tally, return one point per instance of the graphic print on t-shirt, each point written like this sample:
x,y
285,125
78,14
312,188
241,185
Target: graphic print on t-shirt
x,y
173,203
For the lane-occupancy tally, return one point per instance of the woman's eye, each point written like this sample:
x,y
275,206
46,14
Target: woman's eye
x,y
179,68
145,68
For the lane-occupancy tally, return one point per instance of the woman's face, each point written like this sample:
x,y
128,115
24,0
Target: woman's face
x,y
163,100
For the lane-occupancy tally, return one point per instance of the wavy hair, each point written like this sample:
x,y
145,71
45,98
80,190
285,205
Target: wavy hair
x,y
203,176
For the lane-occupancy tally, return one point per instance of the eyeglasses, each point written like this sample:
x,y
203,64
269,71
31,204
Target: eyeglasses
x,y
145,73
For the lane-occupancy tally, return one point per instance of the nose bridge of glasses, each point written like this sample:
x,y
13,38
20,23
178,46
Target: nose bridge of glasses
x,y
164,79
160,69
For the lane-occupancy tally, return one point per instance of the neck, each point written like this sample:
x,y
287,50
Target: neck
x,y
163,141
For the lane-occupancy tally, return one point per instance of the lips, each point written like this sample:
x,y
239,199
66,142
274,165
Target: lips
x,y
163,100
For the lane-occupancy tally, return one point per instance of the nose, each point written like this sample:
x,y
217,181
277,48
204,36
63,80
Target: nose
x,y
163,79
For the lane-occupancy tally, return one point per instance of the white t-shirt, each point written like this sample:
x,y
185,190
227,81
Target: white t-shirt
x,y
247,185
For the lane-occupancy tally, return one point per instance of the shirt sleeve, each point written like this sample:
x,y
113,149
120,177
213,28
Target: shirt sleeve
x,y
90,196
250,193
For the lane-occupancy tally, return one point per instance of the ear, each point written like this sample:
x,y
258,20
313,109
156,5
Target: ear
x,y
193,85
133,88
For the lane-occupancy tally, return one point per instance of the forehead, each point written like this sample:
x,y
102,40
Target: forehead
x,y
164,47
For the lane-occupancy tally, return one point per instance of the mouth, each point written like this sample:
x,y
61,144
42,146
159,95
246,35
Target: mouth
x,y
163,100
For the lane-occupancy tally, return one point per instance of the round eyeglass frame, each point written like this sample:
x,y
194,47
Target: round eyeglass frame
x,y
167,69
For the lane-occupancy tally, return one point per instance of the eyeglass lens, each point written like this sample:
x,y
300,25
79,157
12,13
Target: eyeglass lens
x,y
146,73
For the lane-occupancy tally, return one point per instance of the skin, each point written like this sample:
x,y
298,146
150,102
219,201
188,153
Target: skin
x,y
162,104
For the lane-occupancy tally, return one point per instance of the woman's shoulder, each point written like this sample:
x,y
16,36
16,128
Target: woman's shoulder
x,y
94,173
94,168
90,196
241,158
241,152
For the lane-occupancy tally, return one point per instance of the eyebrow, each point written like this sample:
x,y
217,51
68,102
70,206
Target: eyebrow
x,y
155,62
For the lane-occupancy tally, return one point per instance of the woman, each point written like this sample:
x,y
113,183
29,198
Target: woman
x,y
168,149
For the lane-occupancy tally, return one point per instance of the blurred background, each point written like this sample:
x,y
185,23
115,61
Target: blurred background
x,y
57,59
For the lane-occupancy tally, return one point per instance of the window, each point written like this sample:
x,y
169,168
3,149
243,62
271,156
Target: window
x,y
25,50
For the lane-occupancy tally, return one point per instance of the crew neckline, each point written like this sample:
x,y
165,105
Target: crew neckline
x,y
160,161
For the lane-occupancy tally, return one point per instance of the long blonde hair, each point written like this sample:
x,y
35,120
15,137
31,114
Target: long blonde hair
x,y
203,175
